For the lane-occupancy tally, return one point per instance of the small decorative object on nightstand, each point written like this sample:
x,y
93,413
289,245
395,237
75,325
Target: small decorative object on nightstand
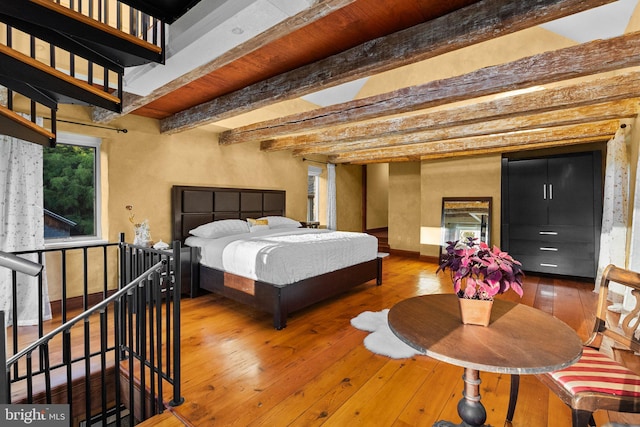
x,y
310,224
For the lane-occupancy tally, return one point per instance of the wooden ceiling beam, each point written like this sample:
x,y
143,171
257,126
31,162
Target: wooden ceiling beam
x,y
587,59
318,10
485,151
602,90
473,24
600,131
586,114
516,148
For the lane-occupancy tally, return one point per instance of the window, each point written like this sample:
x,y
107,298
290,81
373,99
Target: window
x,y
313,179
71,177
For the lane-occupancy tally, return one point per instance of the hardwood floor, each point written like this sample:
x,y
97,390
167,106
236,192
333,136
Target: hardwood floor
x,y
239,371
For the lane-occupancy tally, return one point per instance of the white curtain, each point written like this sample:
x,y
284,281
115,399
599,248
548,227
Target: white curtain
x,y
613,236
634,247
331,197
21,225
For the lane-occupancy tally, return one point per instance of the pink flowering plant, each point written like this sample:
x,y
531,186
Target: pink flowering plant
x,y
484,272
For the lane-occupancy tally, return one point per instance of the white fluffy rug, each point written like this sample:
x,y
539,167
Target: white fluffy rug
x,y
381,340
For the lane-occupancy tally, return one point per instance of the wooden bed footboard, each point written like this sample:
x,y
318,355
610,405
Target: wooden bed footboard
x,y
282,300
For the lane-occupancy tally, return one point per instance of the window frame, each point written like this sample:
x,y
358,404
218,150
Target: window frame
x,y
67,138
314,172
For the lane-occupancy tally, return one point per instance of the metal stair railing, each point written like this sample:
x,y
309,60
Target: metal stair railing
x,y
145,326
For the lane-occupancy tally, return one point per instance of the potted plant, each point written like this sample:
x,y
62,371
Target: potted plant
x,y
479,273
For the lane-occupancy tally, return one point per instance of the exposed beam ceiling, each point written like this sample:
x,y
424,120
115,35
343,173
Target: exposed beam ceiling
x,y
573,95
467,26
576,61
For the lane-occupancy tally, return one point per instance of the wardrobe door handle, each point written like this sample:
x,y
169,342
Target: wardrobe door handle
x,y
549,249
544,191
548,233
550,191
549,265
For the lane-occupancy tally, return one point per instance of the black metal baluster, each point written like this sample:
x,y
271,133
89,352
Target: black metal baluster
x,y
66,356
103,365
14,317
177,289
44,352
117,314
87,370
151,297
141,341
131,300
29,378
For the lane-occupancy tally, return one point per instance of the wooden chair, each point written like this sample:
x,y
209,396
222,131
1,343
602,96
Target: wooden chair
x,y
598,380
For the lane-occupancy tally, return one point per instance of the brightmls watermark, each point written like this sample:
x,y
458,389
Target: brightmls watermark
x,y
53,415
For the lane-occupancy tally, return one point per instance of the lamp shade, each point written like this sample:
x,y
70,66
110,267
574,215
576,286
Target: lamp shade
x,y
431,236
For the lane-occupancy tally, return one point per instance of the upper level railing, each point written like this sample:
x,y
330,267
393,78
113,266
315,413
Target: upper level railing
x,y
120,16
70,51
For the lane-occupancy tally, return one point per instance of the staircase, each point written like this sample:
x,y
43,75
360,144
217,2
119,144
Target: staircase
x,y
73,52
383,238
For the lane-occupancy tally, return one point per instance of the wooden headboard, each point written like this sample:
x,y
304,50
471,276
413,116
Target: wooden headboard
x,y
194,206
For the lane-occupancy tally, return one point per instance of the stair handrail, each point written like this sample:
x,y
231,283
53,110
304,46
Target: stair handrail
x,y
84,315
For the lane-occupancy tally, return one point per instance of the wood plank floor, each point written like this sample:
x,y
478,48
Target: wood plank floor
x,y
239,371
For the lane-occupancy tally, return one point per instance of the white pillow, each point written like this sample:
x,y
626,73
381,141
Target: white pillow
x,y
221,228
258,227
281,222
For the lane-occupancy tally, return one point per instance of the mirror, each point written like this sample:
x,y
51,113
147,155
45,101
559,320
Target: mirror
x,y
464,217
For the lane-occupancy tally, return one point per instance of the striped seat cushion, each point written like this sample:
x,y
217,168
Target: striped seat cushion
x,y
597,372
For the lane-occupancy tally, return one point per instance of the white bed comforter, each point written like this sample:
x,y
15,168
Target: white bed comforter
x,y
284,256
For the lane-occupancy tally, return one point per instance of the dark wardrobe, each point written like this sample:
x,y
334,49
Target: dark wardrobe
x,y
552,212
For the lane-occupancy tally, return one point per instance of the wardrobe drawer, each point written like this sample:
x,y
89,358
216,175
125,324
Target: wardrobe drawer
x,y
569,250
549,233
556,265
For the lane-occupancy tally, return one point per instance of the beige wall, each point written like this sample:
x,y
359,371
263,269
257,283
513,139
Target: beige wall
x,y
416,191
349,197
404,206
140,167
377,195
463,177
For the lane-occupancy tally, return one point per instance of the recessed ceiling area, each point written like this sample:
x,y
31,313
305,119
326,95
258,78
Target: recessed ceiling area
x,y
602,22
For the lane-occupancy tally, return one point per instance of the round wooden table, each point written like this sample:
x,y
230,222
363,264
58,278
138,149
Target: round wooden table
x,y
519,340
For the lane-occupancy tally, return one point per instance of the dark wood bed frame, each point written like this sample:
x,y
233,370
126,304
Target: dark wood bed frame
x,y
193,206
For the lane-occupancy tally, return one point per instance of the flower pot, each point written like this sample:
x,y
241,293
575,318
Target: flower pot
x,y
475,311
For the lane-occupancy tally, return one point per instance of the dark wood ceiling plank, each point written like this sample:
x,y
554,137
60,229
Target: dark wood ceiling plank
x,y
614,110
599,131
606,89
131,102
341,30
576,61
473,24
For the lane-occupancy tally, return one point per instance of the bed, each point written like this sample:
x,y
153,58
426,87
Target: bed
x,y
206,208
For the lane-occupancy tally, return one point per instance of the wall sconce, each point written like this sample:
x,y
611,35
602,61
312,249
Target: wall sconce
x,y
20,265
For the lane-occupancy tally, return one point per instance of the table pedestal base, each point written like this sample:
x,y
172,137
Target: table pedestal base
x,y
470,408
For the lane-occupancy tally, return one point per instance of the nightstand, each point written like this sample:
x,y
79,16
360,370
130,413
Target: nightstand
x,y
188,283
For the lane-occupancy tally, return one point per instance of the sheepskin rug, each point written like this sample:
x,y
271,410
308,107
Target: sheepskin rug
x,y
382,340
